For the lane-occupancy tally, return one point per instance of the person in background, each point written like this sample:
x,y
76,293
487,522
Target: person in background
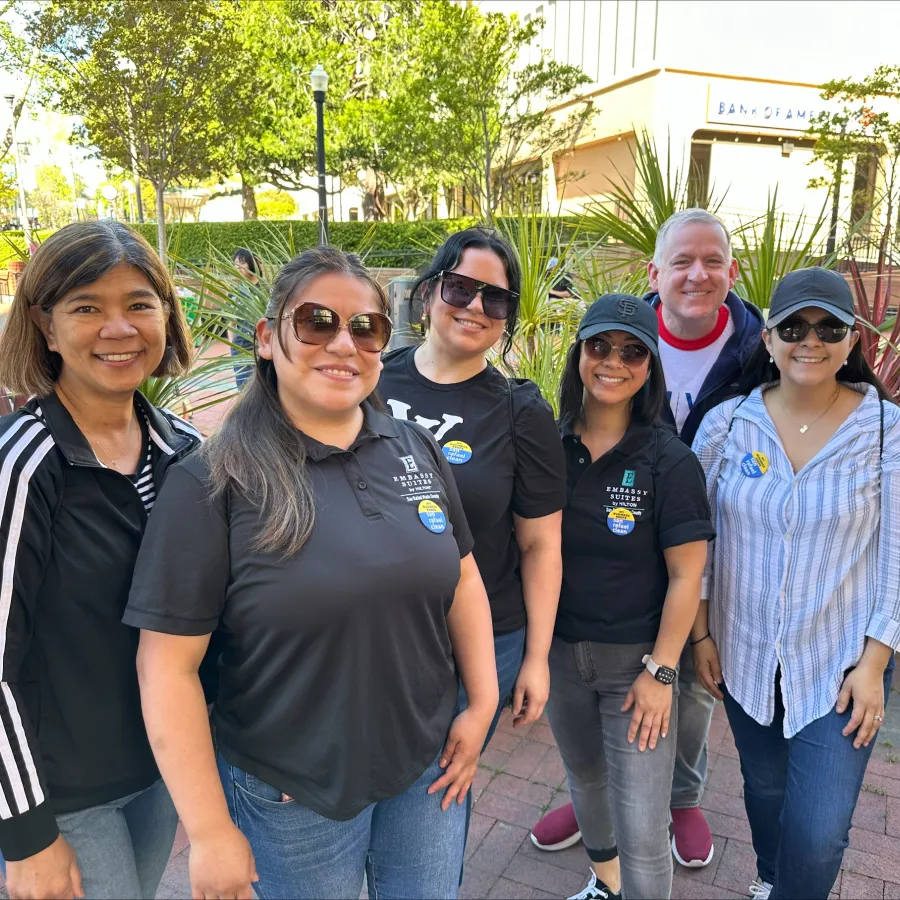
x,y
250,269
635,532
501,441
327,543
802,619
706,333
562,285
83,811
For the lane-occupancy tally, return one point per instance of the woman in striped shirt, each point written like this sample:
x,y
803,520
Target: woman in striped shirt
x,y
803,475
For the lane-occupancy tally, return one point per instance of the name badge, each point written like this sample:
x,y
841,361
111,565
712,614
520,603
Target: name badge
x,y
755,464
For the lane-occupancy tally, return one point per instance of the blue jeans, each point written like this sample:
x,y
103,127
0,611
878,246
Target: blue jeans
x,y
122,847
800,794
695,710
509,651
407,846
241,373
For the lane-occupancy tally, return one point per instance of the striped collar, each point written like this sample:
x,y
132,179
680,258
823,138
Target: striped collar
x,y
170,435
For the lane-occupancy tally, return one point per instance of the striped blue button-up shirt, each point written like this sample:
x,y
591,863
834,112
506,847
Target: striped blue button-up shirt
x,y
805,566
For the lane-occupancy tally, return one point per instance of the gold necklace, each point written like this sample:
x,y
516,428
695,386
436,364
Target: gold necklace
x,y
92,441
805,428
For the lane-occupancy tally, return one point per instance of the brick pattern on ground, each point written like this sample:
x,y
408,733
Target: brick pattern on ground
x,y
522,776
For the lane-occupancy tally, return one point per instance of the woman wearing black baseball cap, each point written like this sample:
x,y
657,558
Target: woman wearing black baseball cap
x,y
635,530
803,474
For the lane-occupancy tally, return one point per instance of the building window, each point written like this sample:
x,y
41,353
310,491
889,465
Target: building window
x,y
863,200
354,214
698,177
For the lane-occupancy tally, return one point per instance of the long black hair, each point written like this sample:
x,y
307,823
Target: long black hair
x,y
251,260
647,404
449,256
759,370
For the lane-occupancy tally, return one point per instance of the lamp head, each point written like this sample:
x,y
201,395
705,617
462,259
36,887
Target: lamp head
x,y
318,78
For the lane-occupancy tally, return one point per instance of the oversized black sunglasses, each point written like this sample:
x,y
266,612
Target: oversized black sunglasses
x,y
830,331
632,355
317,324
459,291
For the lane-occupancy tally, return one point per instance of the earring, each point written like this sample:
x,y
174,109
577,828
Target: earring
x,y
844,363
771,359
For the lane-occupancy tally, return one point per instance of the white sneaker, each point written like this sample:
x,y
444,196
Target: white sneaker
x,y
760,889
596,890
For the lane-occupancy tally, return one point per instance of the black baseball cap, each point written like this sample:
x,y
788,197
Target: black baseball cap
x,y
621,312
822,288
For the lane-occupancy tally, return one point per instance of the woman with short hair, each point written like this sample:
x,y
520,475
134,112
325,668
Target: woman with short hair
x,y
803,474
83,811
327,544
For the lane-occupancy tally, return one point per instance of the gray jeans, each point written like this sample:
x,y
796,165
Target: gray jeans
x,y
617,791
695,709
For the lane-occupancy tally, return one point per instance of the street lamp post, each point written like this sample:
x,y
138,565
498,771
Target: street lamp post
x,y
126,65
26,225
319,80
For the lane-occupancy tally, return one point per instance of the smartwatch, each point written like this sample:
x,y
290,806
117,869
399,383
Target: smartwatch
x,y
663,674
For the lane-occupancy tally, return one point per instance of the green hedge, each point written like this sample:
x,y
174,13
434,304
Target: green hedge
x,y
383,243
12,245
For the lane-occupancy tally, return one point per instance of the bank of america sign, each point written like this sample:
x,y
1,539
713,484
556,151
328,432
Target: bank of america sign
x,y
777,106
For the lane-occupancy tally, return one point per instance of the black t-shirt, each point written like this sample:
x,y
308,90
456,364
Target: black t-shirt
x,y
498,473
645,495
337,678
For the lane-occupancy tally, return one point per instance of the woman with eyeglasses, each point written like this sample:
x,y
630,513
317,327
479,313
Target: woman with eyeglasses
x,y
326,544
502,444
803,615
634,538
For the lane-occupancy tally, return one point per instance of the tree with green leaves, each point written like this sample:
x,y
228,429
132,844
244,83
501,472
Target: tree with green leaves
x,y
487,105
53,196
158,75
859,137
275,205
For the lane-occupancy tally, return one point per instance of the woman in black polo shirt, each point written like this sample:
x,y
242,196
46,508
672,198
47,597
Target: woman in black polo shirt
x,y
635,531
327,544
502,442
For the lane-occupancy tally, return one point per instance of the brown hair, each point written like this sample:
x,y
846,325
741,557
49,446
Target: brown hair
x,y
73,257
257,448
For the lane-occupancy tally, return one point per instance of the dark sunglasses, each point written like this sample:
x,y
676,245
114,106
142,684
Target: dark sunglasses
x,y
830,331
632,355
317,324
459,291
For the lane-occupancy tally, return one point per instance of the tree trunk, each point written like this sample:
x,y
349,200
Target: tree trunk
x,y
488,199
248,198
161,222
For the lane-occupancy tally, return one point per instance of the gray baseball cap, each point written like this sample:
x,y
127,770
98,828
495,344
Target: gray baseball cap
x,y
822,288
621,312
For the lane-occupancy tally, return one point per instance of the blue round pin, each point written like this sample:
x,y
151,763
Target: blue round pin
x,y
755,464
432,516
457,452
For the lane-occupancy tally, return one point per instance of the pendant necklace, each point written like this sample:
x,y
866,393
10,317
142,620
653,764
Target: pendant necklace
x,y
805,428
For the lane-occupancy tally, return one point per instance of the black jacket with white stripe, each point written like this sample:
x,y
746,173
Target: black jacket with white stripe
x,y
71,732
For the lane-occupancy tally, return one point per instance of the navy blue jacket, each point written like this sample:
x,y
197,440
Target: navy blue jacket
x,y
722,380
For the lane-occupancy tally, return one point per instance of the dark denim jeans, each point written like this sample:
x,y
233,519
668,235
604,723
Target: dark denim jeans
x,y
800,794
406,846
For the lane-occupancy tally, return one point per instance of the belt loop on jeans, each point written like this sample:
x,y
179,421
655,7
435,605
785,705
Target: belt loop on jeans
x,y
585,662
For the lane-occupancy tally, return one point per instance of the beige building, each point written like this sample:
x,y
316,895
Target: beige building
x,y
731,86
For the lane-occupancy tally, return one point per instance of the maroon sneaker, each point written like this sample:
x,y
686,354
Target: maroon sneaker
x,y
692,842
557,830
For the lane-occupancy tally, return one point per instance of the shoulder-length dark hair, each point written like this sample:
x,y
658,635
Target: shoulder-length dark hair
x,y
73,257
449,256
646,407
759,370
250,259
257,448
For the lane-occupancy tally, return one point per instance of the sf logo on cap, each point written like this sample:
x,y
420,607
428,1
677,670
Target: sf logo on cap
x,y
626,307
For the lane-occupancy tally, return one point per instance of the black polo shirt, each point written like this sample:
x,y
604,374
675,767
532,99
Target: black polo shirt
x,y
337,678
645,495
503,444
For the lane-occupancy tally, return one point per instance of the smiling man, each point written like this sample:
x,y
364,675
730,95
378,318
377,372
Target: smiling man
x,y
706,333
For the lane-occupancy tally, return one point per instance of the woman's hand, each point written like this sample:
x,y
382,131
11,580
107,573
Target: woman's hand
x,y
53,872
708,667
865,687
652,702
221,866
461,754
531,691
